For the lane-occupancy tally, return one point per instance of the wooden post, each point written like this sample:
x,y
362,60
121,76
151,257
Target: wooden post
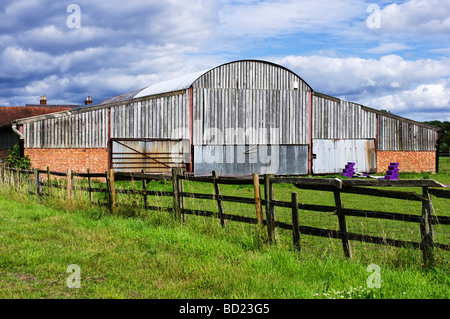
x,y
259,216
295,221
49,183
270,209
69,184
144,188
427,229
342,224
176,196
91,195
180,185
36,182
219,199
111,190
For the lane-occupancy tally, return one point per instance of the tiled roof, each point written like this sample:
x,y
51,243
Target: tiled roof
x,y
11,113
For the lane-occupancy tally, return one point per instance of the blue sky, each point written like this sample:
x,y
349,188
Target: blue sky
x,y
392,55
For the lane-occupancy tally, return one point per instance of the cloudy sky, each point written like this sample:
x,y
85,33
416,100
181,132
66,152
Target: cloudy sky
x,y
392,55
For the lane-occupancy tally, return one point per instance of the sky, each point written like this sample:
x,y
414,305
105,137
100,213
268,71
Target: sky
x,y
391,55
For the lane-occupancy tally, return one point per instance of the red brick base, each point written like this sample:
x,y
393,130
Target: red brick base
x,y
409,161
78,160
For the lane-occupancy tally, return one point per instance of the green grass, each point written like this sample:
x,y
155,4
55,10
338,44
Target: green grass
x,y
142,254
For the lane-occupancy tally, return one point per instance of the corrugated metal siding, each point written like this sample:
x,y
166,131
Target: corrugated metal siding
x,y
338,119
397,135
250,96
80,130
248,159
254,75
163,117
333,155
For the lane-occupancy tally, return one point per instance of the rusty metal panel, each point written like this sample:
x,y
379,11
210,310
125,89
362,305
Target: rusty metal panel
x,y
150,155
331,156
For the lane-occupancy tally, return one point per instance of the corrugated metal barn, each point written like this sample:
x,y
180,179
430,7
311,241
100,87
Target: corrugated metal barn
x,y
238,118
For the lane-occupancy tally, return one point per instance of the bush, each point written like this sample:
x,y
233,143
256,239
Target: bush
x,y
14,159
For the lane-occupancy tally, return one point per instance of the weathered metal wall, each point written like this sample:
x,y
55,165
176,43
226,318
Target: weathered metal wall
x,y
331,156
333,118
250,96
402,135
248,159
66,130
160,117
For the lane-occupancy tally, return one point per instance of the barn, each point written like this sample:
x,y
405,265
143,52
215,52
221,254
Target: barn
x,y
237,118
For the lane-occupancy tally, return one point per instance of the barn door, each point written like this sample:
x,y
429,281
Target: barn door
x,y
150,155
331,156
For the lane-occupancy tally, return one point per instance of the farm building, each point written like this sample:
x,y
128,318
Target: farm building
x,y
238,118
8,114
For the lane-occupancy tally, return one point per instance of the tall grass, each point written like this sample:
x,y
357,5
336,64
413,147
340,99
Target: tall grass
x,y
149,254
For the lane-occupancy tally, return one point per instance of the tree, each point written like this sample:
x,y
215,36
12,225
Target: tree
x,y
14,160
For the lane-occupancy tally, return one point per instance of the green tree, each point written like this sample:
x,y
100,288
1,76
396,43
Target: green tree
x,y
15,161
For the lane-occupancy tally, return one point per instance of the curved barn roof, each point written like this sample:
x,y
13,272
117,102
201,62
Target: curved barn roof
x,y
183,83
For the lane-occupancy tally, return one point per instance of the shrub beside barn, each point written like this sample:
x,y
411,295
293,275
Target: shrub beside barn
x,y
238,118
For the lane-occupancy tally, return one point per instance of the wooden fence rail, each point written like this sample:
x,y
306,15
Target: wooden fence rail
x,y
363,187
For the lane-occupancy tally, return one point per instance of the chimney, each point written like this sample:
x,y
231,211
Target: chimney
x,y
88,100
43,100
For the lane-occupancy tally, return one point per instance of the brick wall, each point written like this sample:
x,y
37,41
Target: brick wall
x,y
78,160
409,161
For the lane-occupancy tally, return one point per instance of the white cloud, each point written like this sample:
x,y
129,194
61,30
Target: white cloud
x,y
424,102
384,48
391,82
424,16
353,75
274,18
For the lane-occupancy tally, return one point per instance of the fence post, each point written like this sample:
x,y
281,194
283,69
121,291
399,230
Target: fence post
x,y
259,216
111,190
295,221
176,195
270,209
180,184
426,228
91,197
219,199
69,183
36,182
144,188
48,179
342,224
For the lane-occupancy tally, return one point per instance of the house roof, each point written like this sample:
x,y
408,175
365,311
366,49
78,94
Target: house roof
x,y
12,113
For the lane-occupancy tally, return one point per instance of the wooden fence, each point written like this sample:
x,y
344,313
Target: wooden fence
x,y
364,187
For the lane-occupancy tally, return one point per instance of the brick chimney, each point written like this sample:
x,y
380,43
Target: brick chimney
x,y
88,100
43,100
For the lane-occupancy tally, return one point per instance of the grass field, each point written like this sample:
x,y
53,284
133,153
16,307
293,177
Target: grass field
x,y
141,254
